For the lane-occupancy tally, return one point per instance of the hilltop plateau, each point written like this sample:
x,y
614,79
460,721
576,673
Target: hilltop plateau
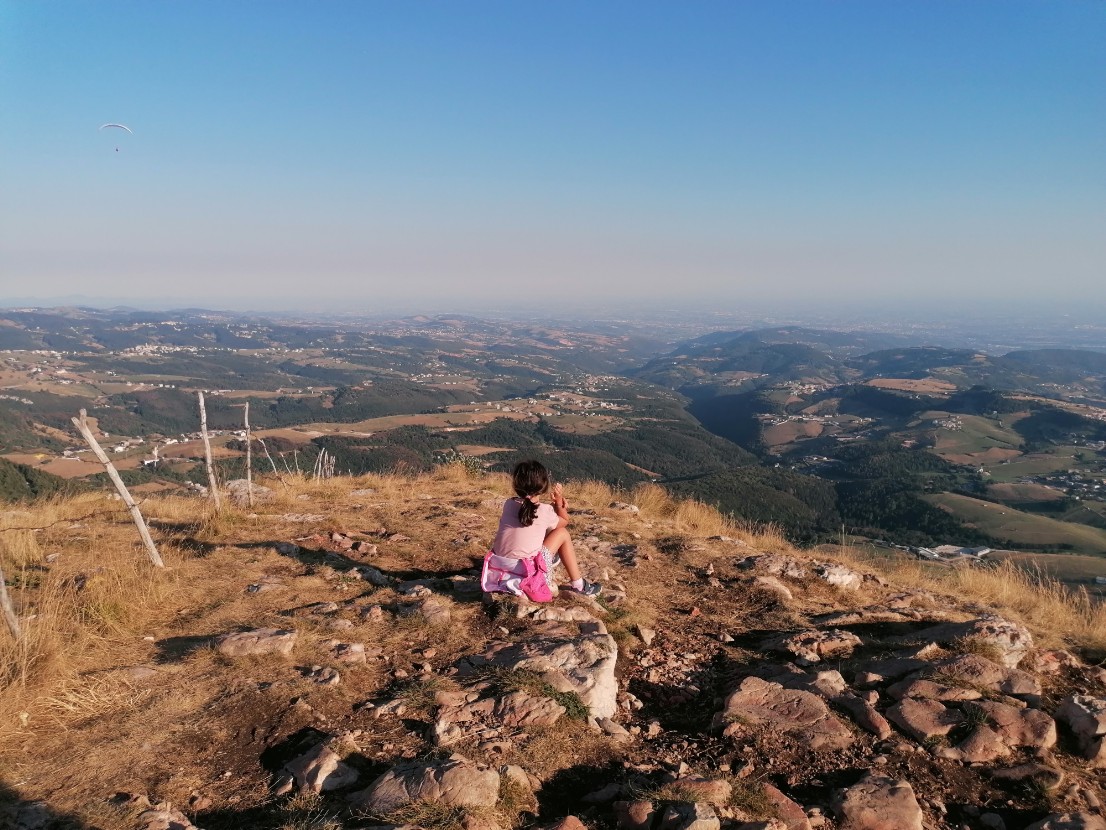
x,y
326,659
879,435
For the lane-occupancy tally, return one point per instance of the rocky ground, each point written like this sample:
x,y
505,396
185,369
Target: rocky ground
x,y
350,674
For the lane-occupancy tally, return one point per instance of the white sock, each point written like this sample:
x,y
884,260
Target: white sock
x,y
577,584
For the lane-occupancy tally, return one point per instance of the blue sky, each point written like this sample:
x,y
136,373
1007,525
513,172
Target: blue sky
x,y
484,154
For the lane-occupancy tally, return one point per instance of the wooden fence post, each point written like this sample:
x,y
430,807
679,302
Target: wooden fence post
x,y
10,616
249,457
213,485
136,514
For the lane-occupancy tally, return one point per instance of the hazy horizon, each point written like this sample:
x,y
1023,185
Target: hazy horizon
x,y
342,155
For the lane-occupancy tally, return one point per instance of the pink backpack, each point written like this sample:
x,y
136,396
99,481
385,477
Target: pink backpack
x,y
536,583
517,576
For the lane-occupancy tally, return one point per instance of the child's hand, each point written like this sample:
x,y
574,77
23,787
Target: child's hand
x,y
558,496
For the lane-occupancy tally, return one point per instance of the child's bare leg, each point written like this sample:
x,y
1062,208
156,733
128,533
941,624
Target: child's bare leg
x,y
560,542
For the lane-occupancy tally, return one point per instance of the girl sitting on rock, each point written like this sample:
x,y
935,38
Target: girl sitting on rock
x,y
530,529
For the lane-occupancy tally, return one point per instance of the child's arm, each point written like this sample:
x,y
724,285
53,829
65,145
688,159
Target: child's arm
x,y
560,506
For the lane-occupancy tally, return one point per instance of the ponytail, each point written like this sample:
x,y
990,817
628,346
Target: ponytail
x,y
527,513
530,480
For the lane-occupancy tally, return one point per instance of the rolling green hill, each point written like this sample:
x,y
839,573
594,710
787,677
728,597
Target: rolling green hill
x,y
18,482
1017,528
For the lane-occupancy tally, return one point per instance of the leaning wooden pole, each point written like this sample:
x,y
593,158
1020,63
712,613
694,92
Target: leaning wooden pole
x,y
136,514
249,457
10,617
212,484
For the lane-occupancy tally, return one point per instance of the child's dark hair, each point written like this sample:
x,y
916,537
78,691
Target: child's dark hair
x,y
530,478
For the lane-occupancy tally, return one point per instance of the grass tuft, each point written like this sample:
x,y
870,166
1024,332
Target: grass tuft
x,y
532,683
306,811
418,695
750,797
977,645
427,815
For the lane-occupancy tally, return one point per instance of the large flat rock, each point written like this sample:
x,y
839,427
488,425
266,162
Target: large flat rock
x,y
257,641
790,711
582,662
1011,641
878,803
1086,717
454,782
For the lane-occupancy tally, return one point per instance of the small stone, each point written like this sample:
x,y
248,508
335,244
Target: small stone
x,y
689,816
326,677
635,815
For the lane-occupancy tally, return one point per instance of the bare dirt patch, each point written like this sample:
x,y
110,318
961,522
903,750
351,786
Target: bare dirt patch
x,y
786,433
479,449
61,467
928,386
994,455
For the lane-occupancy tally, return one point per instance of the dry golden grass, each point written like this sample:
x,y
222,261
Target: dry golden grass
x,y
95,606
651,499
1056,614
595,494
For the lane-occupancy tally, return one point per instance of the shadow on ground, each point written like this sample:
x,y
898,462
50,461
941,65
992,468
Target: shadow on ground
x,y
18,813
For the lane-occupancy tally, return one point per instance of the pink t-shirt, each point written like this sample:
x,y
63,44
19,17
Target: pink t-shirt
x,y
517,541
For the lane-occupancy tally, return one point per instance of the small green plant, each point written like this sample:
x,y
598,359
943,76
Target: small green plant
x,y
974,716
304,811
978,646
1043,792
674,792
418,695
750,797
738,719
532,683
514,799
472,465
957,681
935,742
429,815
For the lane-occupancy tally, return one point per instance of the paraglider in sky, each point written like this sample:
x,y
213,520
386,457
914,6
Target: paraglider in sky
x,y
118,127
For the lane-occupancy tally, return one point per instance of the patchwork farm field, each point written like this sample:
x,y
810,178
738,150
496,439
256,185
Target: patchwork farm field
x,y
786,433
1021,528
1020,493
923,386
1034,464
977,436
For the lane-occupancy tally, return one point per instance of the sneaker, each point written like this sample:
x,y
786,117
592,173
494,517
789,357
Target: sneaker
x,y
590,589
